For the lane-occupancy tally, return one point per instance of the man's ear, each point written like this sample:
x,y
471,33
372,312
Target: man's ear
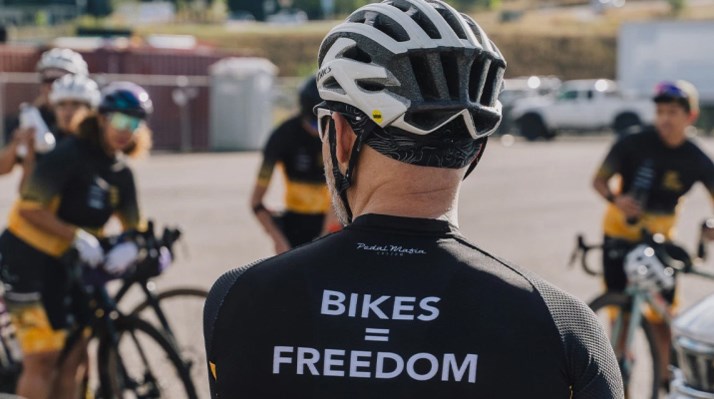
x,y
345,137
693,116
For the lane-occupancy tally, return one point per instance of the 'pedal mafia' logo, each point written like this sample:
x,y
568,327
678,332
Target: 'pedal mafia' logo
x,y
376,364
389,249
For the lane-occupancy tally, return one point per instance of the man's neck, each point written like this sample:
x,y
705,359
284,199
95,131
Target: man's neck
x,y
385,199
673,141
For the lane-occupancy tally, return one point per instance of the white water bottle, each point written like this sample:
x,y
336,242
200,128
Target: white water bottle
x,y
44,140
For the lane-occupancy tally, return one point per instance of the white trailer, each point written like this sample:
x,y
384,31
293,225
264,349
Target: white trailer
x,y
650,52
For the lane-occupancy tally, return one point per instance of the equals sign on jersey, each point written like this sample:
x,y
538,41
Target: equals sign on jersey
x,y
376,334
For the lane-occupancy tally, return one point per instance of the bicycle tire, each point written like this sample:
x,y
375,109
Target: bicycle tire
x,y
174,292
638,381
182,307
116,361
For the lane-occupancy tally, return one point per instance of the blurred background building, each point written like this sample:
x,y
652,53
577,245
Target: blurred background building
x,y
171,45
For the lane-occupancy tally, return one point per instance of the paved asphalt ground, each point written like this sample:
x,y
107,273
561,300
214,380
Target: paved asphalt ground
x,y
525,202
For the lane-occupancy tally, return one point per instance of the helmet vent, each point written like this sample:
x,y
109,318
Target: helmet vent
x,y
384,24
476,31
331,84
490,91
451,74
452,21
370,85
357,54
423,77
477,78
424,23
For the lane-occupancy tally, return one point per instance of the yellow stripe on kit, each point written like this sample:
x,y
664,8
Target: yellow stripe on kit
x,y
213,369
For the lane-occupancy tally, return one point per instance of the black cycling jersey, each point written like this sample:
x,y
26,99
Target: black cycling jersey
x,y
395,307
658,176
83,186
675,169
300,154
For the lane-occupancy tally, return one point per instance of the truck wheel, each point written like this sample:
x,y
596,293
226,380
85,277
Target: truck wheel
x,y
624,123
531,127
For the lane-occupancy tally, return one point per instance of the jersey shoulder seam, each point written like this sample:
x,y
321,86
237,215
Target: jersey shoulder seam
x,y
217,295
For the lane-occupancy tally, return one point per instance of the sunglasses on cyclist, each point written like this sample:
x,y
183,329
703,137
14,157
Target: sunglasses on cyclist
x,y
324,116
125,122
667,89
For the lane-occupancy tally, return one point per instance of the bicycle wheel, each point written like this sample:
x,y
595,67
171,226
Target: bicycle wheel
x,y
183,309
142,365
640,364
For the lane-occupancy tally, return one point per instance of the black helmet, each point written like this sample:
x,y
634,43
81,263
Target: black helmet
x,y
309,97
127,98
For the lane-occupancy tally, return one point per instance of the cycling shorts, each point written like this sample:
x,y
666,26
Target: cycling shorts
x,y
33,328
38,296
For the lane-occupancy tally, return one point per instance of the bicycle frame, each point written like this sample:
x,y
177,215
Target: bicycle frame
x,y
149,290
631,314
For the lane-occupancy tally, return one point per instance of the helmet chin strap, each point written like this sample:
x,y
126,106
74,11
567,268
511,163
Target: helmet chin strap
x,y
343,182
478,157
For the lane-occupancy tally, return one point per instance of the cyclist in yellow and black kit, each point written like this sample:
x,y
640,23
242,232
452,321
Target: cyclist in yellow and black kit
x,y
53,65
656,168
296,147
71,195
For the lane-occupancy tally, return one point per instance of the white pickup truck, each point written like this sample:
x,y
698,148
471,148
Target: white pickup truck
x,y
583,105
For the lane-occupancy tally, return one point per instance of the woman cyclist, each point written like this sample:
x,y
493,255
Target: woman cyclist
x,y
72,98
70,196
53,65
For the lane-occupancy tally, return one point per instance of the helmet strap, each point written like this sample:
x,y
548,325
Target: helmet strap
x,y
476,160
344,182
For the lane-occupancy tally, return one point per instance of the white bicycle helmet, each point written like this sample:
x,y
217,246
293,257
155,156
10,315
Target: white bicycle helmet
x,y
646,271
75,87
63,59
415,65
417,80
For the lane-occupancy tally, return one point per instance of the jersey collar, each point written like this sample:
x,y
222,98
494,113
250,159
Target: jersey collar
x,y
403,224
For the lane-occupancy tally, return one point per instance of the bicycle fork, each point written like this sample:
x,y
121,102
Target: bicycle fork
x,y
622,344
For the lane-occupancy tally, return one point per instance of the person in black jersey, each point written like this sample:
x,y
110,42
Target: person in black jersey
x,y
656,168
400,304
295,146
53,64
71,195
72,98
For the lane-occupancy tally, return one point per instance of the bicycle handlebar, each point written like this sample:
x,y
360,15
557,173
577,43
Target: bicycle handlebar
x,y
581,250
148,265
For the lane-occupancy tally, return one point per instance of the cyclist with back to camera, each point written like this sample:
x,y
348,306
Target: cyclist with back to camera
x,y
53,64
657,167
399,304
295,146
70,196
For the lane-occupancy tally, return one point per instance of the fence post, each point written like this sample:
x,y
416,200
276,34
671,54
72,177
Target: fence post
x,y
2,109
182,95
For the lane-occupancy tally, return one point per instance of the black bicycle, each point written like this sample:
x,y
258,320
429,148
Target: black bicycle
x,y
134,358
183,304
626,316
